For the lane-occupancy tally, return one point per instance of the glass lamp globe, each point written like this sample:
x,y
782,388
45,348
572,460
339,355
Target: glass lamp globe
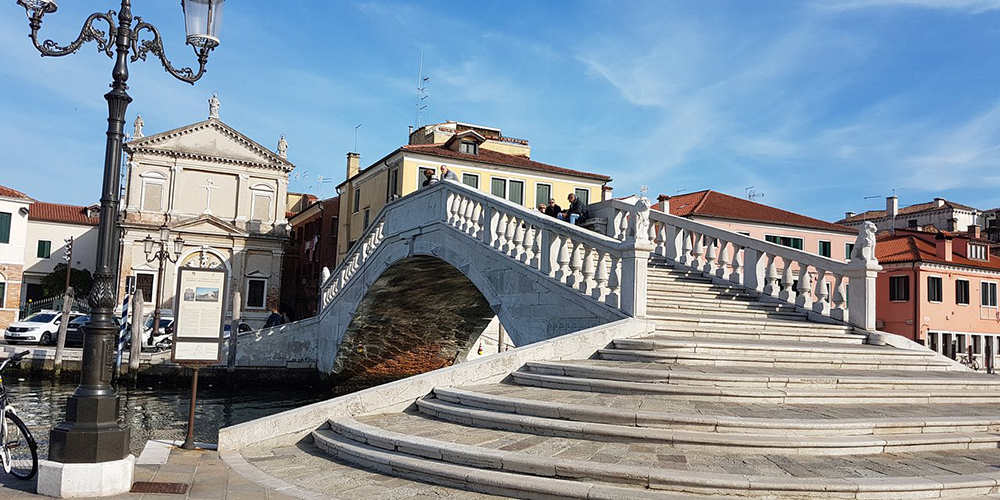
x,y
202,19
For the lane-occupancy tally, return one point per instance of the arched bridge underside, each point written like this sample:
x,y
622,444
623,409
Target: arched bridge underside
x,y
424,285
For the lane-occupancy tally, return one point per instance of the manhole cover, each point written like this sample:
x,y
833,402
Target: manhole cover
x,y
170,488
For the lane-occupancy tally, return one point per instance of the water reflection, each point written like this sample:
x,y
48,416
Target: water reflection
x,y
160,412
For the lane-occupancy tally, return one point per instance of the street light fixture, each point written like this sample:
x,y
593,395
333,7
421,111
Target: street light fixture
x,y
91,433
162,255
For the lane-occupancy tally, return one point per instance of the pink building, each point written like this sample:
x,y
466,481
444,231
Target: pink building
x,y
764,222
940,289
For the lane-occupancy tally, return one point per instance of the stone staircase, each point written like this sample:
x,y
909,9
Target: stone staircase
x,y
730,397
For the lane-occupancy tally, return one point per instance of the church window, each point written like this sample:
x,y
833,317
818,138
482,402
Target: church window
x,y
153,186
256,293
260,206
144,282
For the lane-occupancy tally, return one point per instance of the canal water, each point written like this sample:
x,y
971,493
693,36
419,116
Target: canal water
x,y
160,412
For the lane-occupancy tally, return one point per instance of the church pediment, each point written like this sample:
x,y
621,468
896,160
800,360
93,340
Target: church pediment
x,y
210,140
207,224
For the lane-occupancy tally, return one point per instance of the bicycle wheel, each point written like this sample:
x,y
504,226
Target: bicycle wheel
x,y
22,448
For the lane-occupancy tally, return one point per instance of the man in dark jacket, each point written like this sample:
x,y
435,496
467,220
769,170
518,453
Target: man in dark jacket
x,y
575,211
274,319
553,210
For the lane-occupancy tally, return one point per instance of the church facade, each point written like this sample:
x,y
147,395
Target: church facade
x,y
223,194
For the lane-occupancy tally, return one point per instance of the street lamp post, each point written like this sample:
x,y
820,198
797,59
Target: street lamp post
x,y
91,433
163,256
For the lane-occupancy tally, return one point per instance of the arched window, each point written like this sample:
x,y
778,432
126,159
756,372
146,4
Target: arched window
x,y
3,291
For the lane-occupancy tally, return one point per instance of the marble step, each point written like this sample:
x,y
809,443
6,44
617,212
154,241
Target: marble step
x,y
689,441
739,359
756,395
772,334
806,379
788,350
725,424
383,450
736,321
724,310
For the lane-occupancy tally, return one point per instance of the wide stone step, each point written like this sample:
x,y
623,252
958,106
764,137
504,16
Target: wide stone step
x,y
917,423
722,310
756,395
712,298
380,448
806,379
781,335
769,360
711,303
688,440
676,319
802,349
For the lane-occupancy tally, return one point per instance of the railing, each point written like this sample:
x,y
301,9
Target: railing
x,y
809,281
602,268
54,304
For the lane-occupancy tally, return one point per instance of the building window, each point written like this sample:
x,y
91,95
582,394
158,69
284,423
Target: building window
x,y
4,227
935,287
744,233
962,292
785,241
583,195
517,192
144,282
978,252
899,288
989,292
911,223
152,197
468,147
333,226
44,249
357,200
364,225
471,180
825,248
256,293
498,188
3,292
848,250
392,187
543,193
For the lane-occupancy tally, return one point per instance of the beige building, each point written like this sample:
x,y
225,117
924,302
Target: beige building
x,y
223,194
481,157
14,207
49,224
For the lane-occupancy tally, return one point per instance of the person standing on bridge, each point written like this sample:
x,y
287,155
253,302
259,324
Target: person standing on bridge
x,y
274,319
448,175
428,178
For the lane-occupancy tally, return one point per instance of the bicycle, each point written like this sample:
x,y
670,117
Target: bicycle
x,y
19,452
970,361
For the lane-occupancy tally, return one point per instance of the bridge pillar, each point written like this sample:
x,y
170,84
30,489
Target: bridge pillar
x,y
635,265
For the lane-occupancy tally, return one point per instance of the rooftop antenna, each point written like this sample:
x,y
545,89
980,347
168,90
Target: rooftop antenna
x,y
356,137
752,193
421,90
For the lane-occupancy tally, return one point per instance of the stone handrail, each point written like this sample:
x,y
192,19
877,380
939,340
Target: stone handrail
x,y
811,282
602,268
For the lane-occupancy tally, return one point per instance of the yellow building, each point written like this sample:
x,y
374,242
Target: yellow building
x,y
480,156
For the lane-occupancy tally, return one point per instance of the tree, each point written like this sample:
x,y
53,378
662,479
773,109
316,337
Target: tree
x,y
54,283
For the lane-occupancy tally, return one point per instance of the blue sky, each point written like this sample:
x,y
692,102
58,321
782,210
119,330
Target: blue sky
x,y
816,104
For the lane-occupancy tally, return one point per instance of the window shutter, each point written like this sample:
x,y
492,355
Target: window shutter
x,y
4,227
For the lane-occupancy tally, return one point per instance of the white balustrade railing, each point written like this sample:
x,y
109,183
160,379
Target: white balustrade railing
x,y
812,282
600,267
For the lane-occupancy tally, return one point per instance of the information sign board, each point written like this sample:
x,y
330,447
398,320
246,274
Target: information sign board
x,y
199,314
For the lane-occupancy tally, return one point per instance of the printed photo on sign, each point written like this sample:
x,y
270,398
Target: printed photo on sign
x,y
204,294
189,294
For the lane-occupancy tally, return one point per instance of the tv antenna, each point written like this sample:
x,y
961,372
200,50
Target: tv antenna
x,y
752,193
356,137
421,90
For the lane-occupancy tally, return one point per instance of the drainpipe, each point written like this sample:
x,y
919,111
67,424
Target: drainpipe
x,y
917,319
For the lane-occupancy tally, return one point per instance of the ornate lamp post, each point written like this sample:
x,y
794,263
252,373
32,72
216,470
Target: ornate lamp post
x,y
163,256
91,433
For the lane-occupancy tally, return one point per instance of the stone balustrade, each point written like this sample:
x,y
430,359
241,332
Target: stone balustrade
x,y
811,282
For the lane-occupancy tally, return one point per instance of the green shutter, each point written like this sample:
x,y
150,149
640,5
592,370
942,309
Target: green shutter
x,y
4,227
44,249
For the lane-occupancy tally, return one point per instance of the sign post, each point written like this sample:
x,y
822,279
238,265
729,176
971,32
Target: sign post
x,y
198,317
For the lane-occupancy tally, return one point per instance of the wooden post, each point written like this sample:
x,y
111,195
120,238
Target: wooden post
x,y
136,333
189,441
63,323
234,332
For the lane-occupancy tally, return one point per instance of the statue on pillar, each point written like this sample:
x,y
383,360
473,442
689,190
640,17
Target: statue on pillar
x,y
642,207
283,147
864,246
213,106
137,134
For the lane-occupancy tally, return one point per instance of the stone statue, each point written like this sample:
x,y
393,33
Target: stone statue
x,y
864,246
325,275
642,218
138,127
213,106
283,147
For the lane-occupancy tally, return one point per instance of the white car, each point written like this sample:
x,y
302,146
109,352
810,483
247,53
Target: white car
x,y
41,327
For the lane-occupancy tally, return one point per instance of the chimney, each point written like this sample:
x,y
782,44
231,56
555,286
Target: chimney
x,y
943,245
891,206
848,215
975,231
953,224
664,202
353,165
606,192
938,202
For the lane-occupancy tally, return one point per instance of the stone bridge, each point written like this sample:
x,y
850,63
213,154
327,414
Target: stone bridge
x,y
436,266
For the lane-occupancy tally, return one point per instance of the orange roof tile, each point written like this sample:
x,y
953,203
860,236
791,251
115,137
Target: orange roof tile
x,y
910,210
497,158
57,212
912,246
709,203
12,193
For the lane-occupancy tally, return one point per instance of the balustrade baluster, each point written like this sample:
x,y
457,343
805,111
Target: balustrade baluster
x,y
698,251
661,239
587,284
563,260
804,291
462,220
614,281
501,241
576,265
723,268
771,284
468,220
451,206
736,276
551,249
479,215
673,238
528,243
787,282
511,228
686,248
839,300
535,259
517,250
822,304
623,217
600,291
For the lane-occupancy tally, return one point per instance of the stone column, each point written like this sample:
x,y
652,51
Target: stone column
x,y
175,172
635,267
242,201
862,271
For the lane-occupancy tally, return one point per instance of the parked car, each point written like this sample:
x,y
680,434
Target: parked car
x,y
74,330
41,327
243,327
